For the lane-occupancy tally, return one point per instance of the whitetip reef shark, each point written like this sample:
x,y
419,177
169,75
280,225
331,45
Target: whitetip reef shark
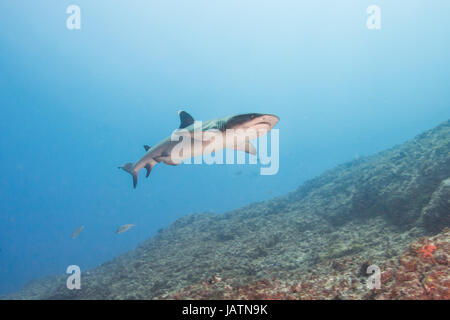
x,y
203,139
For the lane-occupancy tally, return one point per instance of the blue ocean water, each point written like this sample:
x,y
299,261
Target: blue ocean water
x,y
77,103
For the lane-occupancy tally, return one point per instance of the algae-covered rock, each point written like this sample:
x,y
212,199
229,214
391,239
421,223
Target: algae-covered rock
x,y
396,183
436,214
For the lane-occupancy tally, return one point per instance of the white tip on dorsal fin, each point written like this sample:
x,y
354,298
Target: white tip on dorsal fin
x,y
185,119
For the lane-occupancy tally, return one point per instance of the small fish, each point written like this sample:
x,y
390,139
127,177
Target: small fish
x,y
77,231
124,228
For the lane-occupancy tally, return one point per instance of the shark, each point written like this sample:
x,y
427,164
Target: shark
x,y
194,138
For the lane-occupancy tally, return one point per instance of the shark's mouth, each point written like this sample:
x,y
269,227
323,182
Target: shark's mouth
x,y
256,122
263,125
258,129
264,122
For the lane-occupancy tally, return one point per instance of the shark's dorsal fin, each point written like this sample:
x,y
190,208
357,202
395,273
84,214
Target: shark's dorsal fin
x,y
146,147
185,119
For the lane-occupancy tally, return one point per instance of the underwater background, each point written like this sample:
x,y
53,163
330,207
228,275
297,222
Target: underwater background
x,y
77,103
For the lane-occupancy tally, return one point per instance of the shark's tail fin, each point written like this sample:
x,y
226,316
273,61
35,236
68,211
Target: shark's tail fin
x,y
129,167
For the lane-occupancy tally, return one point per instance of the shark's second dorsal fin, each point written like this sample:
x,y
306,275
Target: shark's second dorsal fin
x,y
146,147
185,119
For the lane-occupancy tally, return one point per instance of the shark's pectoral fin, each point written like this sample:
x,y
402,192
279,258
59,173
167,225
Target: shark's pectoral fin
x,y
147,147
149,166
246,147
185,119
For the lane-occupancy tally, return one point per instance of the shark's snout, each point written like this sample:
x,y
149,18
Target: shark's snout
x,y
268,119
255,121
263,122
254,125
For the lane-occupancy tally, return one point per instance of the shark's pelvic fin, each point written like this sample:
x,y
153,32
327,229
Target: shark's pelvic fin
x,y
148,167
146,147
185,119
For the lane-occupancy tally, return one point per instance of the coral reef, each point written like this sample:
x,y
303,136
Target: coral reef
x,y
411,275
314,243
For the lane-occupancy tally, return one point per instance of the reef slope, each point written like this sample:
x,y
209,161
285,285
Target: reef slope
x,y
377,210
